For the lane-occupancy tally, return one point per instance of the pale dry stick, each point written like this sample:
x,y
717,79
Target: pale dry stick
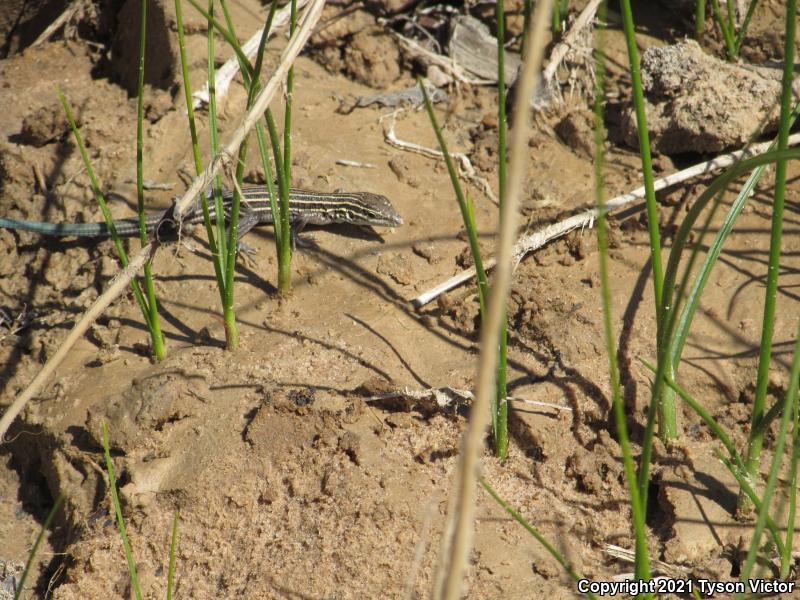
x,y
199,185
354,163
225,74
118,284
465,168
62,19
561,49
537,239
467,470
629,556
447,396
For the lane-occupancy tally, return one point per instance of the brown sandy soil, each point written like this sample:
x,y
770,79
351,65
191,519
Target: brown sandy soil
x,y
289,483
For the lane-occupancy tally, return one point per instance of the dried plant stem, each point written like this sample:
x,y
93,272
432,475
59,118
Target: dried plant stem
x,y
454,565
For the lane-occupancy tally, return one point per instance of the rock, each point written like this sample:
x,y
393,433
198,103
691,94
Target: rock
x,y
699,103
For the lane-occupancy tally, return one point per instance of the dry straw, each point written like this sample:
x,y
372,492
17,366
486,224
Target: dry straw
x,y
453,562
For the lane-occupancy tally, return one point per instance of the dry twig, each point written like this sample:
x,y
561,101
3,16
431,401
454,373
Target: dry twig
x,y
465,168
537,239
452,565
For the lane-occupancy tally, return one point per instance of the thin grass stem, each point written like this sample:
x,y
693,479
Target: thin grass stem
x,y
101,202
499,406
213,129
285,251
727,34
745,24
123,532
216,243
551,550
789,408
39,539
642,565
464,204
755,442
287,115
665,405
733,462
198,163
252,84
157,338
699,20
555,19
173,545
730,12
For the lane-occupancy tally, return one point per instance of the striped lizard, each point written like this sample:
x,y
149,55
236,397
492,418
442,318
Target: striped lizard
x,y
305,208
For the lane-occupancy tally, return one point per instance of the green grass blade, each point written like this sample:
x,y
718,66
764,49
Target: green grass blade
x,y
733,462
788,412
140,139
565,564
745,23
285,251
727,34
555,22
216,184
755,442
173,545
101,202
268,176
217,259
694,295
710,422
463,203
747,487
730,10
636,500
251,80
159,352
499,405
700,20
287,115
644,150
123,532
279,203
226,294
502,144
664,403
39,539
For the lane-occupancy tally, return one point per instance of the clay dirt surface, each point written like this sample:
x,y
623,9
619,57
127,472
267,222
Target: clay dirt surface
x,y
290,480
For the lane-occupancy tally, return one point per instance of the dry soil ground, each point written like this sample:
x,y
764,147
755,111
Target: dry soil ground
x,y
289,483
